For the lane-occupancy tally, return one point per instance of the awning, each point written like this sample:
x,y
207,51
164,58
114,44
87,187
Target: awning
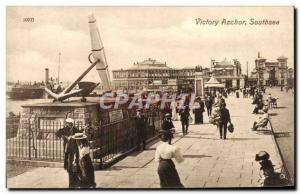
x,y
213,83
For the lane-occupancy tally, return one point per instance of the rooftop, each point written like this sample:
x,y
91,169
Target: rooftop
x,y
282,58
272,63
224,64
150,64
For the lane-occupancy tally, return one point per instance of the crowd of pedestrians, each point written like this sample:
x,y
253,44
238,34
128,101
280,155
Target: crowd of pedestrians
x,y
77,160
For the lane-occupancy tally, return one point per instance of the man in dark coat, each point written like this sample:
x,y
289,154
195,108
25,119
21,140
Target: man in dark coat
x,y
208,103
201,110
224,119
167,109
198,111
70,149
184,118
140,125
237,93
167,125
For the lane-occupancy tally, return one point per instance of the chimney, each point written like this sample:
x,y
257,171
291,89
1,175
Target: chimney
x,y
46,76
258,55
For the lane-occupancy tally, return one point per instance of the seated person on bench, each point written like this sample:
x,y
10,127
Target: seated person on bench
x,y
258,106
262,122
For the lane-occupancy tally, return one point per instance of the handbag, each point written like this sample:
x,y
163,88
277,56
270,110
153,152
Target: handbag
x,y
75,168
211,120
191,120
230,128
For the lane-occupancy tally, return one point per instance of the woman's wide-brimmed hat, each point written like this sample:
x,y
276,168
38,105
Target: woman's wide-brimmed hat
x,y
69,120
262,155
167,115
79,136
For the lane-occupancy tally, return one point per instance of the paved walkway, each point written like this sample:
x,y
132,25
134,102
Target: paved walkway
x,y
209,161
282,119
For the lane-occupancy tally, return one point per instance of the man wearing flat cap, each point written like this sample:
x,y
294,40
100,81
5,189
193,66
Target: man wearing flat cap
x,y
141,125
167,125
224,119
70,149
271,178
184,118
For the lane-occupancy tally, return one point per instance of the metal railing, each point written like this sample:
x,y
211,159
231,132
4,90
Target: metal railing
x,y
12,124
36,139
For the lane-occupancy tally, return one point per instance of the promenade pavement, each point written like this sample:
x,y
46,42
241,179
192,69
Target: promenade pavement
x,y
282,119
209,161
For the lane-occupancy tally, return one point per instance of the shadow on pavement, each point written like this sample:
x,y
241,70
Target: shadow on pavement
x,y
280,107
242,139
120,167
264,132
197,137
204,123
282,134
137,152
201,133
273,114
197,156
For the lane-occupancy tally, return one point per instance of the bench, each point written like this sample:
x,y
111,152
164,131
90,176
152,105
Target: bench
x,y
273,103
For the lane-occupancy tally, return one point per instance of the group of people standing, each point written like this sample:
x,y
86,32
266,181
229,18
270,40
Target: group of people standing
x,y
77,160
258,102
167,172
185,113
78,163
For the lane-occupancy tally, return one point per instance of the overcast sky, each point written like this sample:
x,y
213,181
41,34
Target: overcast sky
x,y
131,34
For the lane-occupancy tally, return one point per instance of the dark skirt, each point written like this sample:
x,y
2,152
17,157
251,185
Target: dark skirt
x,y
168,175
86,175
198,117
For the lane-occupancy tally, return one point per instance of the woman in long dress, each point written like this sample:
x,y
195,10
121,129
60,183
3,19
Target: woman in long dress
x,y
86,174
197,112
174,111
215,117
167,172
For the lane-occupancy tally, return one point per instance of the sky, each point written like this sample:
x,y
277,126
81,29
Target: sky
x,y
131,34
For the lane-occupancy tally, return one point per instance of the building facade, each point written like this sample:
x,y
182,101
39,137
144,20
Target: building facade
x,y
270,72
228,72
155,75
290,78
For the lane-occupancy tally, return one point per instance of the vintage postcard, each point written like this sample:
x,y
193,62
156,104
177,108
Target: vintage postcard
x,y
150,97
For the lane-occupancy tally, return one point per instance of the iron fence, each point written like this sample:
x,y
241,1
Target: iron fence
x,y
35,139
12,124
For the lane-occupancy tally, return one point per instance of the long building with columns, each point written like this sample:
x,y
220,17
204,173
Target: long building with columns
x,y
155,75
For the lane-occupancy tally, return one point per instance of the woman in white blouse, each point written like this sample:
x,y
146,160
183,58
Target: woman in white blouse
x,y
167,172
